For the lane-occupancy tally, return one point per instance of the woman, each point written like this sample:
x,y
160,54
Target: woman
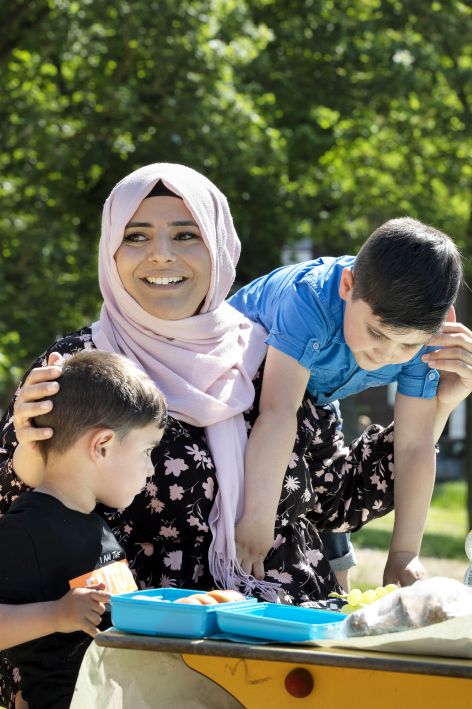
x,y
167,259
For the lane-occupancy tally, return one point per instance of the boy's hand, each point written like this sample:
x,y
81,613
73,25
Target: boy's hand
x,y
254,539
81,609
404,568
453,361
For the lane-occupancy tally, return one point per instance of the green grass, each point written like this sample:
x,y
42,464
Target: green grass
x,y
446,526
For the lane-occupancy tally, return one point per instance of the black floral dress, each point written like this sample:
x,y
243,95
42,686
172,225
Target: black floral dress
x,y
327,486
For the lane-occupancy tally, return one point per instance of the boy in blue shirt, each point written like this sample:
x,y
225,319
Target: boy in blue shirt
x,y
338,326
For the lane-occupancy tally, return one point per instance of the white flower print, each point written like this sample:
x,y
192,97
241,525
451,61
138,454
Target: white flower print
x,y
174,560
291,484
306,495
365,514
195,522
156,505
151,488
147,548
176,492
377,505
308,425
314,556
175,466
344,527
197,454
197,572
209,487
381,484
168,532
167,582
282,576
292,463
278,541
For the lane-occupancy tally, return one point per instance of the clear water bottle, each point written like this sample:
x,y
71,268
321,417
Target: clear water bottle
x,y
468,551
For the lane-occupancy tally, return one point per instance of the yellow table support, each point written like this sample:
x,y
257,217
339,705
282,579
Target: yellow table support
x,y
260,684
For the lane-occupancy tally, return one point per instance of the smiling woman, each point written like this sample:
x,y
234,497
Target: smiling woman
x,y
163,261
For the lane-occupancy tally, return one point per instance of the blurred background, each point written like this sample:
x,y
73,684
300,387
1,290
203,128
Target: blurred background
x,y
319,119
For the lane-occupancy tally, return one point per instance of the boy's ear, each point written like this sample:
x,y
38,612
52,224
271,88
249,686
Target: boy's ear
x,y
451,314
100,443
346,284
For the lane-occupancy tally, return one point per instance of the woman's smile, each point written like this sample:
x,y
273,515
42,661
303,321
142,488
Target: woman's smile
x,y
163,261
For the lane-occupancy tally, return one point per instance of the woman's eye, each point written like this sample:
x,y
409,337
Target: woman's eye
x,y
373,334
186,236
135,237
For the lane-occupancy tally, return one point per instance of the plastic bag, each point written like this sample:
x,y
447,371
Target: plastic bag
x,y
424,603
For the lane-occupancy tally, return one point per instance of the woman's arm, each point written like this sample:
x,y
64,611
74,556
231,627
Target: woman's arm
x,y
267,457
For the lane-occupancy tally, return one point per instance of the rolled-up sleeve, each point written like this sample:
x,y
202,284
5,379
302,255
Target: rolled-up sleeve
x,y
417,379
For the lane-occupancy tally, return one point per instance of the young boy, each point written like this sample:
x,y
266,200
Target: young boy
x,y
107,417
336,327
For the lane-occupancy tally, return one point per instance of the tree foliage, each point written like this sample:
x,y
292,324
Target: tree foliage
x,y
319,119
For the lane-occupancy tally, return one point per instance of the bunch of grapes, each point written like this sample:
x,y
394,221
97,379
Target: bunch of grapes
x,y
356,598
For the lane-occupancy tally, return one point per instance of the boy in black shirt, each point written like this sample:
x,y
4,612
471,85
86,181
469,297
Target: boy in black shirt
x,y
107,417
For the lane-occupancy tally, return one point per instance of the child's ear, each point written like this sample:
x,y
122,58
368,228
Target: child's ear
x,y
451,314
346,284
100,444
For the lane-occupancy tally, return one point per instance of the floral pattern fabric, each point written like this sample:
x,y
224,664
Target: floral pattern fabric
x,y
328,486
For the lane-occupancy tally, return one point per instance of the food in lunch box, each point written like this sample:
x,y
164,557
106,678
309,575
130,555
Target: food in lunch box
x,y
424,603
356,598
212,597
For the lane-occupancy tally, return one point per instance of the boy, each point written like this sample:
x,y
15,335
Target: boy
x,y
107,417
338,326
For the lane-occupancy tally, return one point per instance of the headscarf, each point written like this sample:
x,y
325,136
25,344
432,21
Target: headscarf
x,y
204,364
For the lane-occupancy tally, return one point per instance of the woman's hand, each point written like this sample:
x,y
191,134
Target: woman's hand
x,y
453,361
27,460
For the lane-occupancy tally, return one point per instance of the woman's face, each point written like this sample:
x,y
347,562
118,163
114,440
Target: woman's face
x,y
163,262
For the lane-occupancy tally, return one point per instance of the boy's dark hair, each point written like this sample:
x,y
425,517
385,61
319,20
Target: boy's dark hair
x,y
409,274
100,389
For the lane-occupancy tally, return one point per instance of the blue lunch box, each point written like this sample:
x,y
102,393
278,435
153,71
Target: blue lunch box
x,y
280,623
153,612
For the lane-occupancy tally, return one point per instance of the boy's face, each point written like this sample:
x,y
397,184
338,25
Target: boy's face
x,y
372,343
129,466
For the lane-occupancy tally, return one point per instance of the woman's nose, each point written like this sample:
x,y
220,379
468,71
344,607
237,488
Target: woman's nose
x,y
160,249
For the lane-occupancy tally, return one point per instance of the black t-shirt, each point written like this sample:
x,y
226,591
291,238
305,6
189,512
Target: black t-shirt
x,y
43,545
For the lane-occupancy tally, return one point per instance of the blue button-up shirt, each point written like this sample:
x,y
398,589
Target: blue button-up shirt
x,y
301,309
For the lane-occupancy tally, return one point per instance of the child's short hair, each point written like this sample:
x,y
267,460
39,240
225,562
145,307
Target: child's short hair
x,y
100,389
409,274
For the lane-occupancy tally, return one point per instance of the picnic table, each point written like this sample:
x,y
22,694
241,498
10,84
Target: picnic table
x,y
127,671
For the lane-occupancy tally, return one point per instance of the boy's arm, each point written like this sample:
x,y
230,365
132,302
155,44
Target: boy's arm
x,y
267,456
80,609
415,468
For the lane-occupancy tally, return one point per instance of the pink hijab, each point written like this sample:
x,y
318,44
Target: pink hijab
x,y
204,364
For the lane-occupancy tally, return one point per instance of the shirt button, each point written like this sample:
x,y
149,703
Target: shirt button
x,y
316,345
431,376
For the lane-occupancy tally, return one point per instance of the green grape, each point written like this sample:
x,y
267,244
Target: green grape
x,y
347,608
380,592
391,587
354,597
369,596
